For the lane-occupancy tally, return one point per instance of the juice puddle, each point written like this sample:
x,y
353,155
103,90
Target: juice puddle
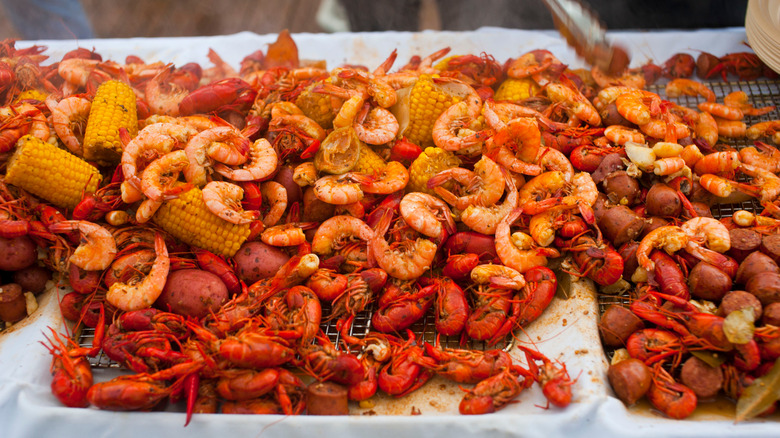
x,y
719,409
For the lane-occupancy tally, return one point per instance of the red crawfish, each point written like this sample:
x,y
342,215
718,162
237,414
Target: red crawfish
x,y
651,345
400,306
403,374
670,397
324,362
71,371
215,96
496,391
489,313
451,306
247,384
552,377
596,259
217,265
465,366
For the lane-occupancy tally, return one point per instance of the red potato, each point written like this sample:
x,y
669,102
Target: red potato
x,y
663,201
13,306
765,286
17,253
630,379
192,292
737,300
256,260
771,315
284,176
315,210
707,282
32,279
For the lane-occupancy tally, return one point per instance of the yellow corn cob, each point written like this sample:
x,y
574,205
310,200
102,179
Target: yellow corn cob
x,y
316,106
369,162
419,107
51,173
112,108
516,89
187,219
432,161
31,94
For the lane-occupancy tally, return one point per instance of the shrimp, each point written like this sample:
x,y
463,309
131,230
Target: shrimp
x,y
394,177
97,248
405,260
427,215
723,188
375,125
767,183
763,129
309,127
628,79
706,128
710,231
483,186
158,180
681,86
305,174
152,141
718,163
619,134
553,159
77,72
497,114
658,128
454,129
162,95
283,235
69,118
219,142
539,189
338,231
338,189
608,95
574,103
522,135
276,196
721,110
263,161
667,166
498,276
761,155
224,200
670,238
146,210
485,219
638,107
504,156
542,226
739,100
731,128
520,257
139,294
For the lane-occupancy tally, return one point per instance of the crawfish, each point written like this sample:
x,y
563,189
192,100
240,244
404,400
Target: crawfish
x,y
403,374
71,372
465,366
251,347
490,312
596,259
324,362
452,307
496,391
399,307
553,378
670,397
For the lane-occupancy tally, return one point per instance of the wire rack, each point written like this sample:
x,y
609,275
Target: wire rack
x,y
761,93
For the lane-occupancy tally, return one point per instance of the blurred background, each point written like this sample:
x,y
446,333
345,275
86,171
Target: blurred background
x,y
67,19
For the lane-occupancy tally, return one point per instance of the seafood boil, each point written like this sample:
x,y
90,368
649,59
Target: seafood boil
x,y
292,195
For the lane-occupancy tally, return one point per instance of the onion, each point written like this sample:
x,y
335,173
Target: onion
x,y
641,155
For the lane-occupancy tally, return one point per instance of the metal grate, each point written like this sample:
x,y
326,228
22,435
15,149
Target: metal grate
x,y
760,93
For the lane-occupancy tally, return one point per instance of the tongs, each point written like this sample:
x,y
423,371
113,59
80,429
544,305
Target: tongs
x,y
587,35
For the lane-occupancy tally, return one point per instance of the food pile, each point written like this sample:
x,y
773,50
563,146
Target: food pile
x,y
209,220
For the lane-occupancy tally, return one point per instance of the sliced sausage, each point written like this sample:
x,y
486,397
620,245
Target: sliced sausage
x,y
770,245
765,286
771,315
630,379
652,223
702,209
743,242
707,282
621,188
753,264
616,325
738,300
620,224
628,254
704,380
326,398
13,306
610,164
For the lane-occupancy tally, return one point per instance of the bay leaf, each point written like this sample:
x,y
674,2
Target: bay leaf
x,y
760,395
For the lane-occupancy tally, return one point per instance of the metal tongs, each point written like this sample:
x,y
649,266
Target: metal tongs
x,y
587,35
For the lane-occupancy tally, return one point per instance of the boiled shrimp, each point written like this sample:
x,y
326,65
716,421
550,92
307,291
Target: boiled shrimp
x,y
706,127
670,238
427,214
164,96
498,276
709,231
540,188
394,177
718,163
97,248
483,186
767,183
721,110
224,200
283,235
688,87
552,159
631,78
485,219
375,126
455,128
275,197
638,107
574,103
338,189
619,134
338,231
661,129
497,114
739,99
152,141
140,294
405,260
299,121
520,257
731,128
69,118
763,129
263,161
761,155
220,143
159,178
146,209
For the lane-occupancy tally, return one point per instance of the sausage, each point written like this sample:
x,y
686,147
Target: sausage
x,y
326,398
771,315
621,188
13,306
601,206
770,245
765,286
705,381
616,325
707,282
702,209
628,254
652,223
610,163
753,264
630,379
620,224
663,201
737,300
743,242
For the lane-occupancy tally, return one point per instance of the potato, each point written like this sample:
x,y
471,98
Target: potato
x,y
32,279
17,253
192,292
256,260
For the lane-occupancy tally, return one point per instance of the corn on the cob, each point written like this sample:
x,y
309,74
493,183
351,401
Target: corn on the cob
x,y
369,162
188,219
51,173
419,106
515,90
430,162
31,94
112,108
317,107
